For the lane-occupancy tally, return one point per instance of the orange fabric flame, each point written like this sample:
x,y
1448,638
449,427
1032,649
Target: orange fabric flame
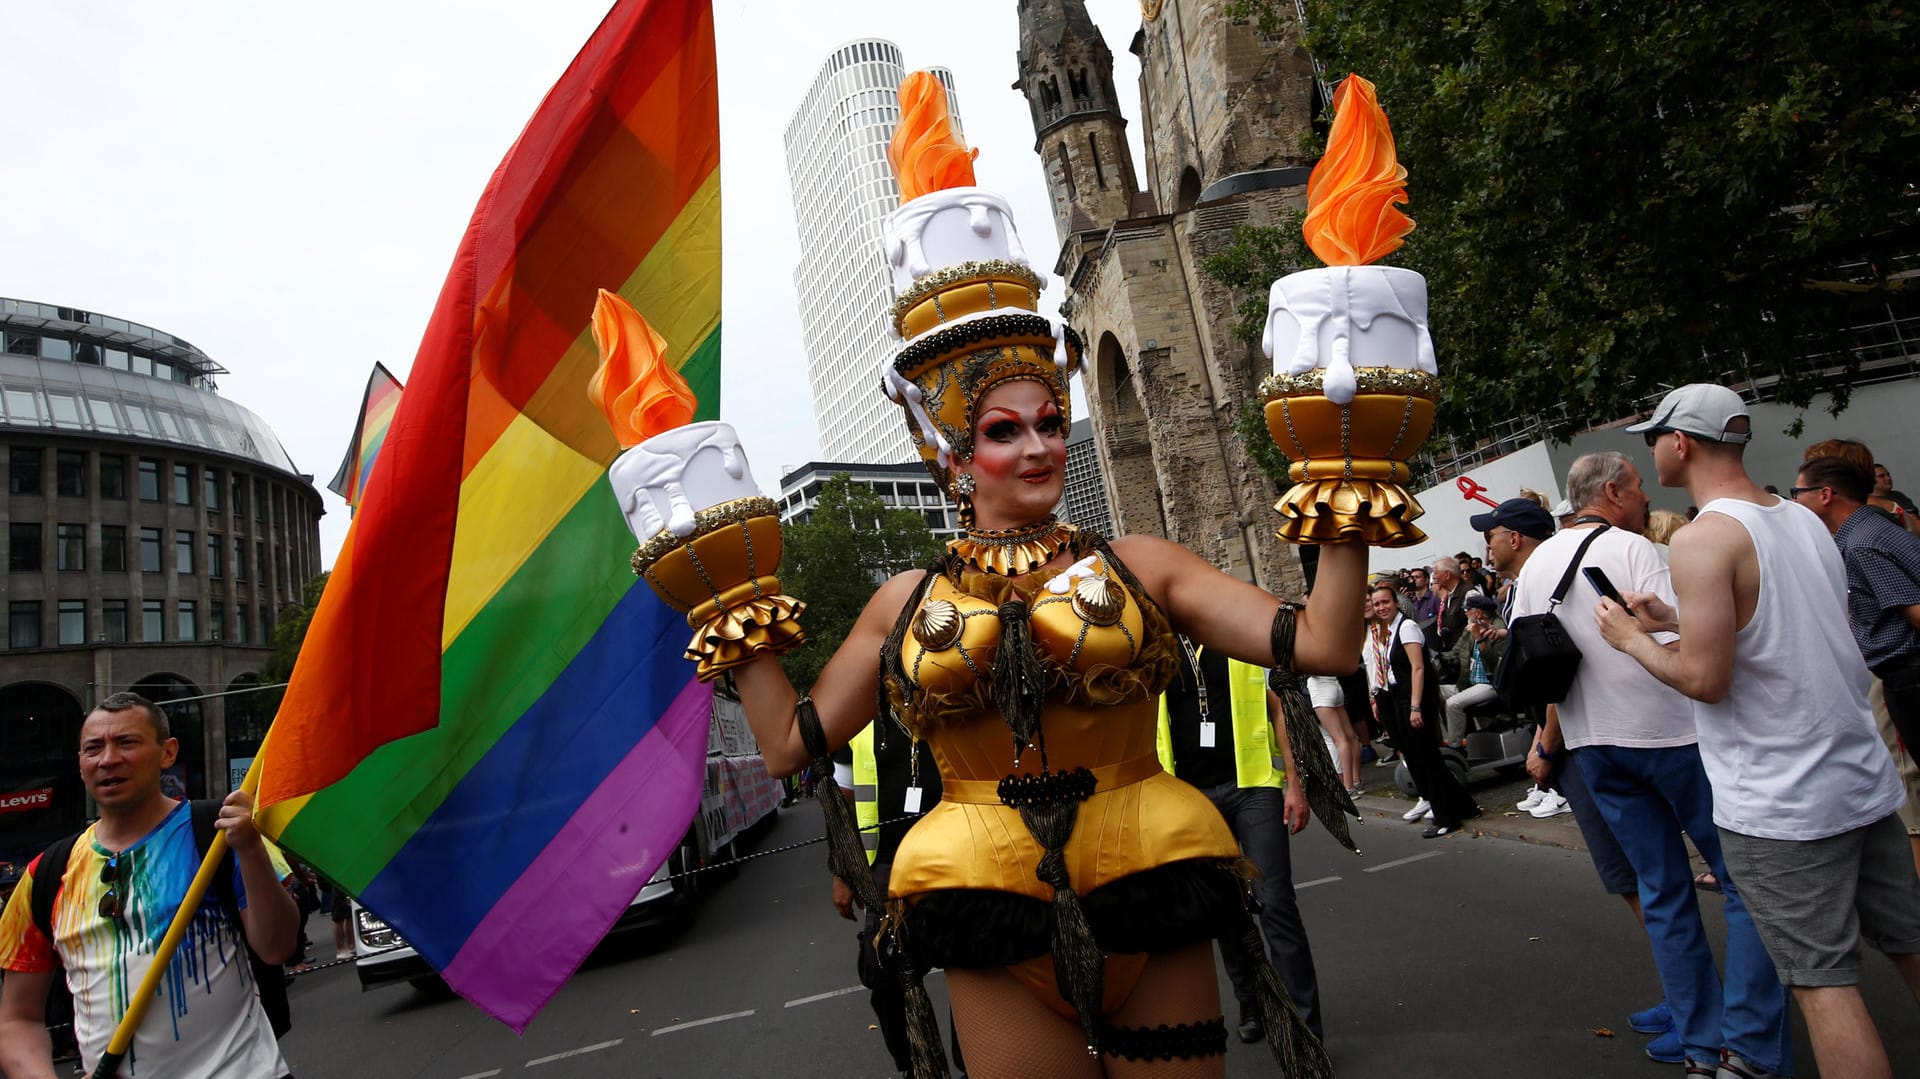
x,y
925,153
1352,196
648,395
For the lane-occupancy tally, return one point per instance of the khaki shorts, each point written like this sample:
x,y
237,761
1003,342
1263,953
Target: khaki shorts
x,y
1814,900
1902,760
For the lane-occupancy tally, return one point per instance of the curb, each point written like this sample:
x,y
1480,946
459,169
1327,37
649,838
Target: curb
x,y
1509,824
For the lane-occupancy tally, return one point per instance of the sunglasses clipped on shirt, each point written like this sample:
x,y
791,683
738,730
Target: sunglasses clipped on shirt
x,y
112,904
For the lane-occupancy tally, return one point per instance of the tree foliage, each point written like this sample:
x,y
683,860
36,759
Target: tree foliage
x,y
289,633
1613,198
836,560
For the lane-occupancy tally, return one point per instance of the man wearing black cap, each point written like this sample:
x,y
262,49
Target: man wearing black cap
x,y
1511,523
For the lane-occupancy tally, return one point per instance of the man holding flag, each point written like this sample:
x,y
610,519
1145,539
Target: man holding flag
x,y
124,878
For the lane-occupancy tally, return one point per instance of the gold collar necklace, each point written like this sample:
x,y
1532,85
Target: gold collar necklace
x,y
1012,552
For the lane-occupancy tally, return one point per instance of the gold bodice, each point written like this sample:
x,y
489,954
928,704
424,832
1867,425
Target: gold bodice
x,y
1108,653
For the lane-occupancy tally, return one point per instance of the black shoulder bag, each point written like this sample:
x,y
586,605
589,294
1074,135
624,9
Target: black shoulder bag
x,y
1541,659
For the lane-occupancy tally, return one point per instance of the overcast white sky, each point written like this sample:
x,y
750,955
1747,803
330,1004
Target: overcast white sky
x,y
284,185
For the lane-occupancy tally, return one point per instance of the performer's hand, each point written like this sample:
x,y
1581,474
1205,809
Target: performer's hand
x,y
843,899
1539,768
1416,720
1294,808
236,819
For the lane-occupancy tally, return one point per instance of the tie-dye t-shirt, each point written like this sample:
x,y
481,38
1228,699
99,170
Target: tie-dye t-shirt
x,y
206,1021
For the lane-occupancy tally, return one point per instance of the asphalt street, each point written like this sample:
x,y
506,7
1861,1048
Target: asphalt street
x,y
1474,955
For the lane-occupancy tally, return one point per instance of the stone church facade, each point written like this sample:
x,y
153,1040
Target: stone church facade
x,y
1225,109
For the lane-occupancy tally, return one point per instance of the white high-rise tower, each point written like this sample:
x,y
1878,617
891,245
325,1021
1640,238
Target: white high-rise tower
x,y
842,190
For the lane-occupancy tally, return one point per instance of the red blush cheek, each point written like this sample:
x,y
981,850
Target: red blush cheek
x,y
996,466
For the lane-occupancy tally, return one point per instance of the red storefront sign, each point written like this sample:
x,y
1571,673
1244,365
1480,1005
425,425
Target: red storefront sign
x,y
25,800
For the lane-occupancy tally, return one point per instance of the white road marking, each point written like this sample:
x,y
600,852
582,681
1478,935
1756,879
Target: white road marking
x,y
703,1022
582,1051
482,1075
1314,883
1403,861
829,995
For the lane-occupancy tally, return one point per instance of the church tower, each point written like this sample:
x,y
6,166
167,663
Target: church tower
x,y
1166,376
1067,77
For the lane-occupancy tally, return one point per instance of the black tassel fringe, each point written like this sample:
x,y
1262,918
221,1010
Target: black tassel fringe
x,y
927,1055
846,855
1079,967
1019,679
1325,793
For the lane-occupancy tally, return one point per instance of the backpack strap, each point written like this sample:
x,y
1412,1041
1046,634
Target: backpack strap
x,y
47,872
204,811
1566,579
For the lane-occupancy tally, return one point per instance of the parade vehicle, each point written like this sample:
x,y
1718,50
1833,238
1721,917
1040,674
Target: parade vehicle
x,y
737,805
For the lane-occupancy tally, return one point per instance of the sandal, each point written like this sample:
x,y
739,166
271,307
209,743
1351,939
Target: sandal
x,y
1707,882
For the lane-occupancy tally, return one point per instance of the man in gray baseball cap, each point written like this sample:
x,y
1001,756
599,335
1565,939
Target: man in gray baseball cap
x,y
1702,410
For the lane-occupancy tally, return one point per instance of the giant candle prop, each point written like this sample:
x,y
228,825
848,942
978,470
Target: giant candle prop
x,y
709,541
1354,381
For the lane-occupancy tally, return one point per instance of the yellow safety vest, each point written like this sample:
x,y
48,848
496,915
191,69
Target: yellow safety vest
x,y
866,791
1253,744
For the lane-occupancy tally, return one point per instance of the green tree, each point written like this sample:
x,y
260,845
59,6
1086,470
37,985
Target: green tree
x,y
1613,198
289,633
838,558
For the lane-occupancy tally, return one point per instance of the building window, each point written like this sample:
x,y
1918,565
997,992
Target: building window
x,y
149,479
23,625
73,621
239,495
183,552
70,546
113,621
70,473
183,485
240,626
216,620
261,566
113,548
216,545
260,500
113,476
23,470
239,559
153,621
189,620
23,547
210,489
150,550
266,623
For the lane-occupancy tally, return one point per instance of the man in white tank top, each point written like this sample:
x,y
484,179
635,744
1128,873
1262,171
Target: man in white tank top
x,y
1804,791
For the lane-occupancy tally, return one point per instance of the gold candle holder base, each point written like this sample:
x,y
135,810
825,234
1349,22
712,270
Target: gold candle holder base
x,y
722,578
1350,461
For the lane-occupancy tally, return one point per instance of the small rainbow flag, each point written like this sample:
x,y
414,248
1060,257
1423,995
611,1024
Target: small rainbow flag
x,y
491,737
377,406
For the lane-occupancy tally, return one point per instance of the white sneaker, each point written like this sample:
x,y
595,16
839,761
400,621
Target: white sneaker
x,y
1551,806
1525,805
1421,809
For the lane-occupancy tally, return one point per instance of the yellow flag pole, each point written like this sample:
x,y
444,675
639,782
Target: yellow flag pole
x,y
109,1063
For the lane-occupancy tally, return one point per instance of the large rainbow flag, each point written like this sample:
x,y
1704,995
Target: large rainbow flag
x,y
377,407
491,737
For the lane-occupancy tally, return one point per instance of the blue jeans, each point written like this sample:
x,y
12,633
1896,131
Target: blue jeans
x,y
1258,819
1648,797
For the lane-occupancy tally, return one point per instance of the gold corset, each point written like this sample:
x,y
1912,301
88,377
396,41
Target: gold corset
x,y
1108,657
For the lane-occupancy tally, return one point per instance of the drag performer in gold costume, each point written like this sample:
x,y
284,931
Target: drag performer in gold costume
x,y
1070,888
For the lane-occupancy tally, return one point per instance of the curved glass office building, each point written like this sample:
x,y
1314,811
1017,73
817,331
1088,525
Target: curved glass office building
x,y
153,532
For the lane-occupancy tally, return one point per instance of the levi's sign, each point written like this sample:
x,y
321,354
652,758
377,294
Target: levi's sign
x,y
21,801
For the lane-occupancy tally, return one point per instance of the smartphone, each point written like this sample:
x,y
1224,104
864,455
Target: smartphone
x,y
1597,577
